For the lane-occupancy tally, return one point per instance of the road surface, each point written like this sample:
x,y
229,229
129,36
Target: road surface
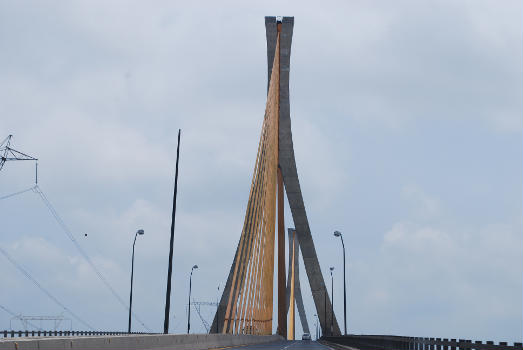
x,y
281,345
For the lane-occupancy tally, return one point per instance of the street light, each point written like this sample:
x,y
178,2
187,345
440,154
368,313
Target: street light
x,y
189,315
332,301
139,232
338,234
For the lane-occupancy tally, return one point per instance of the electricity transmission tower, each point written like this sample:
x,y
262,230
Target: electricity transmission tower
x,y
56,319
197,306
7,153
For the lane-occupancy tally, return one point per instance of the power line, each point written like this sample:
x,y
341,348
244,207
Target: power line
x,y
17,193
69,234
66,230
35,282
8,311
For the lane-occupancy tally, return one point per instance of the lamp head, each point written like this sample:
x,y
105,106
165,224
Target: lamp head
x,y
195,267
140,232
332,268
337,233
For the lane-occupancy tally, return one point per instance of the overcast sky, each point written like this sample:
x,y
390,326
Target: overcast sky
x,y
407,126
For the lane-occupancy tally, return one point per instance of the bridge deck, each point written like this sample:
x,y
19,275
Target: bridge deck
x,y
279,345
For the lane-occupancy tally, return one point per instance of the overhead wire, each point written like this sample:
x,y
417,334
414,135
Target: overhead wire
x,y
37,284
17,193
70,235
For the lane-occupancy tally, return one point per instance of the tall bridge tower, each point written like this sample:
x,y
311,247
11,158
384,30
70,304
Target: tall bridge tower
x,y
246,305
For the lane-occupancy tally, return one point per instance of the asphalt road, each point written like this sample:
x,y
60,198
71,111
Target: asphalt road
x,y
282,345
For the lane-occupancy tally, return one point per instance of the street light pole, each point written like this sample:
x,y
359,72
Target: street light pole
x,y
324,328
139,232
338,234
189,314
332,302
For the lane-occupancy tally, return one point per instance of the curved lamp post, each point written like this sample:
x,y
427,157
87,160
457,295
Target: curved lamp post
x,y
189,314
338,234
139,232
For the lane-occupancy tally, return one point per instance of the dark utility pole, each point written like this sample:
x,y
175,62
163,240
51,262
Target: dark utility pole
x,y
139,232
189,313
339,234
170,269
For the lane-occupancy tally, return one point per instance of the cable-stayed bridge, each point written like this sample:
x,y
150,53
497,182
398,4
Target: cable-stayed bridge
x,y
244,314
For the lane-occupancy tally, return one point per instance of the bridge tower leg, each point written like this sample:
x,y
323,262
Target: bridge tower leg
x,y
295,281
282,305
292,283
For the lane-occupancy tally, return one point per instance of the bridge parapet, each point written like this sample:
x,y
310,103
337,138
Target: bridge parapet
x,y
392,342
137,342
55,333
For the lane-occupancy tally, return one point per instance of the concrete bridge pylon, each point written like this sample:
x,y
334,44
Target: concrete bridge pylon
x,y
277,119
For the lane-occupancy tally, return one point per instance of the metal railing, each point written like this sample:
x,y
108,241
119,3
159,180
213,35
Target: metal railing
x,y
55,333
391,342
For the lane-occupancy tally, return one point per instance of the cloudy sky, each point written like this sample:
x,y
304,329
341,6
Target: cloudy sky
x,y
407,126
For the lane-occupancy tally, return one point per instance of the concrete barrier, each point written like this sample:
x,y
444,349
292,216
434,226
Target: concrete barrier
x,y
138,342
